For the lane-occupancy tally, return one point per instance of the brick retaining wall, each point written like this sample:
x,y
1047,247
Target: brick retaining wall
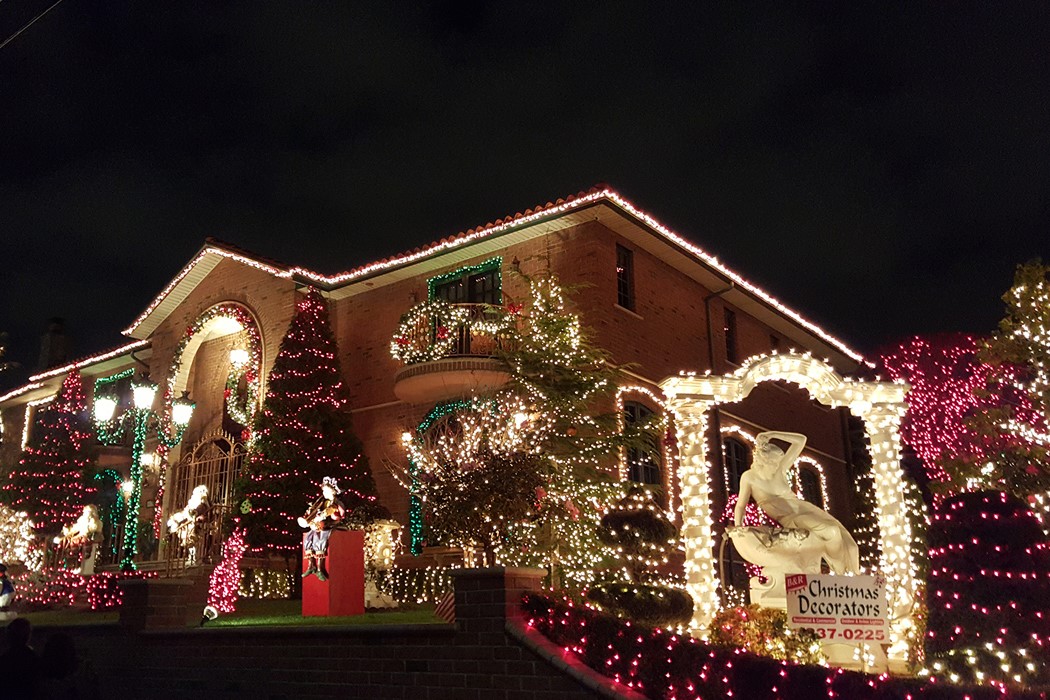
x,y
476,659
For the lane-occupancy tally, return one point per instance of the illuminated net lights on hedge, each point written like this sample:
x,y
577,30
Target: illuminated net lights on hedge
x,y
416,585
17,540
265,584
663,664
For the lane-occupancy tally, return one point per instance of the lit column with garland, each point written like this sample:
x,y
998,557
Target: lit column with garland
x,y
141,420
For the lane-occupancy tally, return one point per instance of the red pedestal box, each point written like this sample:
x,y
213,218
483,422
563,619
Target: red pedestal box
x,y
344,591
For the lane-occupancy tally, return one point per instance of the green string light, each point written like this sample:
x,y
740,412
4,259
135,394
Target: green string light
x,y
488,266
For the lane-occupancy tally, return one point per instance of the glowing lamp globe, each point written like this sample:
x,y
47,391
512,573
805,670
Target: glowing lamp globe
x,y
239,357
127,487
143,394
105,407
182,410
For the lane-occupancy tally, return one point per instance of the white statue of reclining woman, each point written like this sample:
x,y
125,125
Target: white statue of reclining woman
x,y
809,534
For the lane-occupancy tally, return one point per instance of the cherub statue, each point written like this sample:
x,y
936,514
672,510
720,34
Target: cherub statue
x,y
767,483
187,525
321,518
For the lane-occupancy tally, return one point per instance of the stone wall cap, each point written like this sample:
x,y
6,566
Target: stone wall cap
x,y
499,571
410,630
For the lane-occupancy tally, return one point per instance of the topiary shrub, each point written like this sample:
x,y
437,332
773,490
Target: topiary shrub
x,y
643,536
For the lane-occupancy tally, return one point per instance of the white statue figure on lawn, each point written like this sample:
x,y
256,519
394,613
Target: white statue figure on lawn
x,y
807,533
187,525
81,537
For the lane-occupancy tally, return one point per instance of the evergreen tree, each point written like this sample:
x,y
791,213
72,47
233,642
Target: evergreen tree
x,y
1015,432
987,591
302,434
550,416
49,482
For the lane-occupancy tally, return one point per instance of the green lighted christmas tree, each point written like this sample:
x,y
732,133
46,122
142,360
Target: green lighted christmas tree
x,y
48,483
302,434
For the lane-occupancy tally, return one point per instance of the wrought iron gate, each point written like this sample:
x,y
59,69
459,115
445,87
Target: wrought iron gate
x,y
214,462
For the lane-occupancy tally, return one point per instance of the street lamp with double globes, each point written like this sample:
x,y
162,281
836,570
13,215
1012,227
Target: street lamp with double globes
x,y
141,418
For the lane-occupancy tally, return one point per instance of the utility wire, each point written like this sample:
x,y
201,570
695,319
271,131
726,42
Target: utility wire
x,y
11,38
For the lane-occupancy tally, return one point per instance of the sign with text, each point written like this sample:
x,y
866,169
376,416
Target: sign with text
x,y
844,609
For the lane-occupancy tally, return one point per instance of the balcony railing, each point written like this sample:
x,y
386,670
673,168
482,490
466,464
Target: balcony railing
x,y
436,329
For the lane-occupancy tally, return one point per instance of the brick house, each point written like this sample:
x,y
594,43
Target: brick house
x,y
651,298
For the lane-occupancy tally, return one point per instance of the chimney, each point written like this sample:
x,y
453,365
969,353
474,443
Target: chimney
x,y
54,345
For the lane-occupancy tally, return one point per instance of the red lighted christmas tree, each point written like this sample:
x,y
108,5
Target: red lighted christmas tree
x,y
48,483
302,434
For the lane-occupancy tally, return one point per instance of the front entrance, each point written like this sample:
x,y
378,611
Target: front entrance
x,y
214,463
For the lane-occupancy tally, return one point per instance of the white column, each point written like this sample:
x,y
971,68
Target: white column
x,y
701,581
882,424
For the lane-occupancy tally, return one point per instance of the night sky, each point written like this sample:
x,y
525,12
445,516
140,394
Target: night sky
x,y
879,168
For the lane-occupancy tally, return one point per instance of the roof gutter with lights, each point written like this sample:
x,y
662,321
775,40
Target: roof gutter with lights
x,y
520,220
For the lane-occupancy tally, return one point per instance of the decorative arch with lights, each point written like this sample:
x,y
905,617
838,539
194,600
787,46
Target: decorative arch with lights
x,y
879,404
245,362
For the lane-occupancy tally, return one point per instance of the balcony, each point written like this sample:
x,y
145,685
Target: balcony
x,y
450,351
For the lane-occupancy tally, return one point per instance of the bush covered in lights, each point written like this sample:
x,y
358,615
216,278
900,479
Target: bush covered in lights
x,y
663,665
765,632
643,536
988,590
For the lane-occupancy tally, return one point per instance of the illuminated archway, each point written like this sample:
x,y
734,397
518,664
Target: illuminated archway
x,y
879,404
218,321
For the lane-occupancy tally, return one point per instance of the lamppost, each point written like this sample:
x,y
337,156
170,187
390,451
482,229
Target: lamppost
x,y
142,419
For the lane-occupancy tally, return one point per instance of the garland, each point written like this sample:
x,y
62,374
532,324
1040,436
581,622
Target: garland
x,y
240,409
438,320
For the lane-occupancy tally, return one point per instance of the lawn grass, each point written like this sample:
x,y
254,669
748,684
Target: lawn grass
x,y
289,612
63,617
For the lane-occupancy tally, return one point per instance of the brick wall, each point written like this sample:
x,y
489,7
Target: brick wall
x,y
475,659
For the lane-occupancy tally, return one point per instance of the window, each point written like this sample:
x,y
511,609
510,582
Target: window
x,y
729,319
642,466
475,284
735,458
625,277
809,484
481,287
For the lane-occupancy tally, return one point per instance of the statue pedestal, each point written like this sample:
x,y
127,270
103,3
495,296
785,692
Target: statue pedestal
x,y
344,592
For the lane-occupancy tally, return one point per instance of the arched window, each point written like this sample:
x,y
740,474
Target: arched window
x,y
736,456
642,465
809,485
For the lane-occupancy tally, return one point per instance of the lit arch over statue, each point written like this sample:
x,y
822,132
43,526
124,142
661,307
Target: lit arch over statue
x,y
879,404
